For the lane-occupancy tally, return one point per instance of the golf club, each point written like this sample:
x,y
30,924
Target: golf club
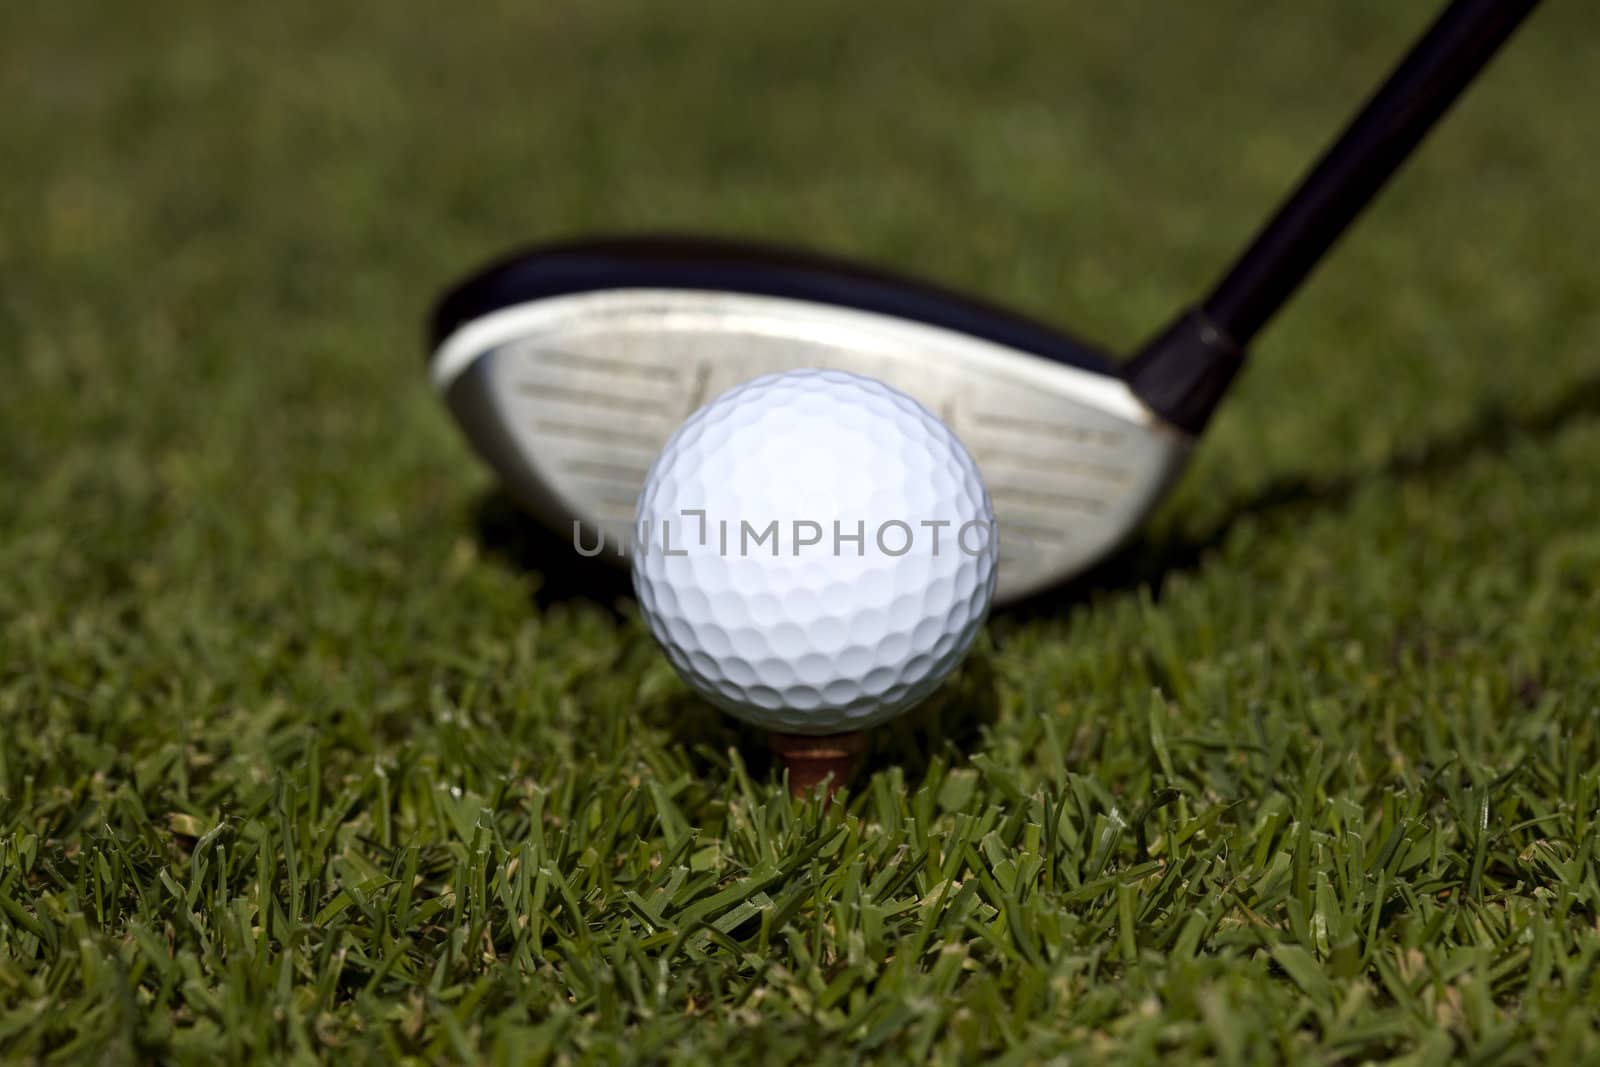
x,y
569,365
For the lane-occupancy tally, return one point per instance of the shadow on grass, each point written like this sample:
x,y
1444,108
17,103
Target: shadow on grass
x,y
950,724
1147,563
511,535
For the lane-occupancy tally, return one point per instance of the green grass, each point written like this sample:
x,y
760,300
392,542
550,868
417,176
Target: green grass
x,y
305,759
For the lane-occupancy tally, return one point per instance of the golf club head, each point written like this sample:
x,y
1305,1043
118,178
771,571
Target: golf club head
x,y
568,367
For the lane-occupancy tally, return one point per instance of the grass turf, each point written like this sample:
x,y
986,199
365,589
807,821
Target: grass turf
x,y
308,757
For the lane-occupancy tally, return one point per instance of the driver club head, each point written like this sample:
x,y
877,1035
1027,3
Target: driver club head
x,y
569,367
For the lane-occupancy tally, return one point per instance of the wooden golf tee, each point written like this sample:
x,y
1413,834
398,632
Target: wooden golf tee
x,y
813,760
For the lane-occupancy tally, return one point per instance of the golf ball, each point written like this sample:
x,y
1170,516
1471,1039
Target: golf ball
x,y
814,551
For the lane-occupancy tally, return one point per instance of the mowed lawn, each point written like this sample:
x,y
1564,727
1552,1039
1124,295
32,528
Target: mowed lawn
x,y
306,756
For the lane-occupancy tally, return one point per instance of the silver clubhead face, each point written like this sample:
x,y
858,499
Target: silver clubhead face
x,y
570,397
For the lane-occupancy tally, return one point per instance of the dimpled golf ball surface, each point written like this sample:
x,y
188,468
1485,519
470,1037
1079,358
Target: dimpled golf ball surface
x,y
825,637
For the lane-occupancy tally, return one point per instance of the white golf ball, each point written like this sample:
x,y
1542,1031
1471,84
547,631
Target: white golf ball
x,y
815,551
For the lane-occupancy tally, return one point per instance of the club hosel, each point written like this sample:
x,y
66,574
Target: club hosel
x,y
1185,370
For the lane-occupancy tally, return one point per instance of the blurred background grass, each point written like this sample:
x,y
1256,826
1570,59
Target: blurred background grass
x,y
237,533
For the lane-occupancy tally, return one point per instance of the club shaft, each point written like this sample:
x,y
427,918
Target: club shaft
x,y
1420,90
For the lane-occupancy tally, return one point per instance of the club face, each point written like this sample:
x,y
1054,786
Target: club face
x,y
569,398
